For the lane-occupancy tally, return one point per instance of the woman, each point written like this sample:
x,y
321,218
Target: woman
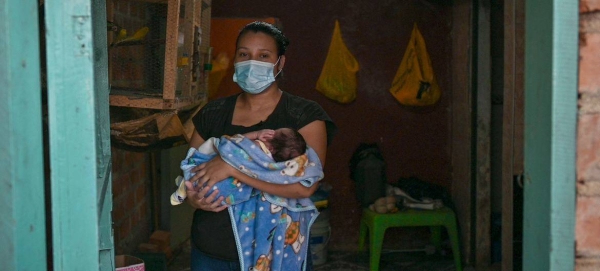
x,y
259,59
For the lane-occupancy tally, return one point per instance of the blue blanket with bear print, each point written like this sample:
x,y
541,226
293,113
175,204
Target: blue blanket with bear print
x,y
271,232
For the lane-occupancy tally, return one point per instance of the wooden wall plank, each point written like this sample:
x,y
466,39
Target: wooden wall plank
x,y
22,211
72,129
512,130
188,46
519,80
170,69
551,65
153,103
101,88
508,134
483,110
461,122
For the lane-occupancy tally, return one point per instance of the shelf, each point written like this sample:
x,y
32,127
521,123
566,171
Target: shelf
x,y
151,99
137,43
148,1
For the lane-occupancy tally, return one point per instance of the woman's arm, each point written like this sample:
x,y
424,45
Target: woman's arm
x,y
315,135
215,170
196,197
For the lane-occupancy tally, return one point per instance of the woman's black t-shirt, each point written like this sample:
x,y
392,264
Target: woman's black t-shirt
x,y
212,232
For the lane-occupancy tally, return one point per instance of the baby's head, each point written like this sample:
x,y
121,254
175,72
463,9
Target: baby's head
x,y
286,144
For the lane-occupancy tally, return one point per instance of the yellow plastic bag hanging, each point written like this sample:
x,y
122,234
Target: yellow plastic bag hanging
x,y
415,83
338,76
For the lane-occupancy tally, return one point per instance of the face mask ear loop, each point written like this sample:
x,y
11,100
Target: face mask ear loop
x,y
278,72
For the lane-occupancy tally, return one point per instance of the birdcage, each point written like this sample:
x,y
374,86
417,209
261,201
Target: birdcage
x,y
159,53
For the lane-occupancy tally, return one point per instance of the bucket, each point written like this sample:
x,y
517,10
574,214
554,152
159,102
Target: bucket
x,y
319,237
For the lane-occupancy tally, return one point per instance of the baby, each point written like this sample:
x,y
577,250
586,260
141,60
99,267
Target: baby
x,y
281,145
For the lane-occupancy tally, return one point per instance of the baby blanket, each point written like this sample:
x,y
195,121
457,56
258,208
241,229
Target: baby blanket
x,y
271,232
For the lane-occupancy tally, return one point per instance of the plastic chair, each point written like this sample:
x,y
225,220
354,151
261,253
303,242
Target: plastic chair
x,y
376,224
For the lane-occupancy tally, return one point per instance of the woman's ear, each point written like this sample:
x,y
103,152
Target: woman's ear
x,y
281,63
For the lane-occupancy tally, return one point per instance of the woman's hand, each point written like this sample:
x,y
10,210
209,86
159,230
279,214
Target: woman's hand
x,y
197,198
212,172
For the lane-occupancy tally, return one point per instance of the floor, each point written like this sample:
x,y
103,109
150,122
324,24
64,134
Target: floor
x,y
391,261
355,261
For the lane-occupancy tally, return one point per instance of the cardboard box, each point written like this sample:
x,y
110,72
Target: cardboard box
x,y
153,261
129,263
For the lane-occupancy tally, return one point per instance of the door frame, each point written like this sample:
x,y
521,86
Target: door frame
x,y
22,200
551,84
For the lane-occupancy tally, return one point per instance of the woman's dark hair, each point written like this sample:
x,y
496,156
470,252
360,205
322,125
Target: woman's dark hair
x,y
269,29
287,145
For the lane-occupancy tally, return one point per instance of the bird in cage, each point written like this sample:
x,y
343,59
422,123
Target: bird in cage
x,y
140,34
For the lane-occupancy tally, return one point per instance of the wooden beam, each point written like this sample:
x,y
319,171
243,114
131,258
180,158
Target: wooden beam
x,y
153,103
512,128
188,32
149,1
483,107
508,135
205,48
22,200
461,122
170,69
551,66
101,89
72,118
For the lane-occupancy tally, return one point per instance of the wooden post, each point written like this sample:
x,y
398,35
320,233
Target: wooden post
x,y
482,126
101,89
22,211
461,129
188,31
73,142
170,70
551,65
512,123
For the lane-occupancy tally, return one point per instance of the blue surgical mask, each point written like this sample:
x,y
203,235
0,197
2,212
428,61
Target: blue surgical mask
x,y
254,76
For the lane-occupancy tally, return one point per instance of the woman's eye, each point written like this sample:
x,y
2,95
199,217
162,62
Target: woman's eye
x,y
242,54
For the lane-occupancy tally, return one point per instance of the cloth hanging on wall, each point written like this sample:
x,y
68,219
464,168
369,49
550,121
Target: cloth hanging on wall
x,y
338,76
415,83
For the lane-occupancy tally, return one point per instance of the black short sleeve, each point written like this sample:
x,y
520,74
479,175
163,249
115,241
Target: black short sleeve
x,y
214,120
306,111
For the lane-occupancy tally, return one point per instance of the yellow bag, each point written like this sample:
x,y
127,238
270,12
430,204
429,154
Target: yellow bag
x,y
338,77
415,83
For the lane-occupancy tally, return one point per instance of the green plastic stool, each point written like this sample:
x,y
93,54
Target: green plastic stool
x,y
376,224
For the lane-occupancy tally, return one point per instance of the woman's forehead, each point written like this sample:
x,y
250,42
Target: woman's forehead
x,y
258,40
